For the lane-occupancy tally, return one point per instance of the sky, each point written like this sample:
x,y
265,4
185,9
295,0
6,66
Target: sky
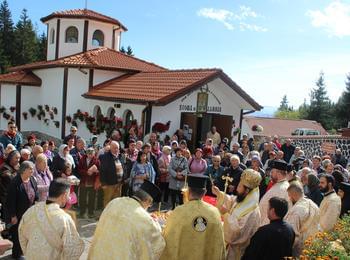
x,y
270,48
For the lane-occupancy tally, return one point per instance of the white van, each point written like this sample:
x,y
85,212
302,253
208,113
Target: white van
x,y
305,131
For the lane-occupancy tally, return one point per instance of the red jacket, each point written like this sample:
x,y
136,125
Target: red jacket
x,y
85,179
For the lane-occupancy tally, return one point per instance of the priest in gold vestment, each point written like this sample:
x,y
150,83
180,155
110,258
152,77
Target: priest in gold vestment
x,y
194,230
126,231
304,216
241,213
46,232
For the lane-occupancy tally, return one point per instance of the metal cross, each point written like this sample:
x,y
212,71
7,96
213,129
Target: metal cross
x,y
227,179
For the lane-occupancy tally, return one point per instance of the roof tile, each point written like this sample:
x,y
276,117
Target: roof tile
x,y
83,13
21,77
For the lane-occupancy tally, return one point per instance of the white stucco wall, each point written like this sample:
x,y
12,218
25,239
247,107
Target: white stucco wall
x,y
104,75
230,103
8,99
31,97
67,48
78,85
51,47
246,129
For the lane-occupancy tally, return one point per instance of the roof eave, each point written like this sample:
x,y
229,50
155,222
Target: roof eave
x,y
115,99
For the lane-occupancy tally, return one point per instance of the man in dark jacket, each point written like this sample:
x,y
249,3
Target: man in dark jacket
x,y
111,173
275,240
288,150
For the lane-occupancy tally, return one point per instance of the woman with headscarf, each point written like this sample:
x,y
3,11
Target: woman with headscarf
x,y
344,194
314,191
7,172
58,162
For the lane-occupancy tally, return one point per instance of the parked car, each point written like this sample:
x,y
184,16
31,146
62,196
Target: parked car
x,y
305,131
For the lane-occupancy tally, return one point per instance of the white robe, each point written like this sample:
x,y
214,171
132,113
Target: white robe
x,y
279,189
304,216
46,232
329,211
241,221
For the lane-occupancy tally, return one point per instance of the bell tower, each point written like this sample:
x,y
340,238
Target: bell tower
x,y
75,31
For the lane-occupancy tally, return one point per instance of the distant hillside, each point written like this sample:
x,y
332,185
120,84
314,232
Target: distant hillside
x,y
267,111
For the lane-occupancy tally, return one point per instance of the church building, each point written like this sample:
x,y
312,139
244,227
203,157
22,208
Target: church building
x,y
88,82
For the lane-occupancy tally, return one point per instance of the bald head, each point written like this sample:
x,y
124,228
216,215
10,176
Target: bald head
x,y
114,148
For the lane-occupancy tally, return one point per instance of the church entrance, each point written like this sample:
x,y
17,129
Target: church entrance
x,y
196,127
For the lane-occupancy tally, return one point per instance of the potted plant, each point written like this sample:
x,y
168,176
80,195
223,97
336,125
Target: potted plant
x,y
38,116
12,108
57,124
51,114
25,115
6,116
257,128
32,111
2,109
69,119
54,109
46,121
40,107
47,108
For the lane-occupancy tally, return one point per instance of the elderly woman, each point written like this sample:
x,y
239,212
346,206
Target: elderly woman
x,y
197,165
141,170
58,162
88,171
22,194
25,154
43,176
214,172
163,164
178,169
7,172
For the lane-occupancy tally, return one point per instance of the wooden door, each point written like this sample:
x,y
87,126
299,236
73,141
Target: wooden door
x,y
223,124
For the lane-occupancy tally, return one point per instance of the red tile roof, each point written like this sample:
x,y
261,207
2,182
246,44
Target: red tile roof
x,y
282,127
21,78
85,14
100,58
160,87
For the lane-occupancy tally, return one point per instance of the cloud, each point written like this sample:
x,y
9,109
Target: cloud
x,y
335,19
231,20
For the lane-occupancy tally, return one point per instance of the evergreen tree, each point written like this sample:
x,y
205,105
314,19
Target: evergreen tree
x,y
284,104
320,105
6,36
41,48
343,106
129,51
25,41
122,49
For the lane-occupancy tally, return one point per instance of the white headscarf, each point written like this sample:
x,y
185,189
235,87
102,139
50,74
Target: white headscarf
x,y
67,157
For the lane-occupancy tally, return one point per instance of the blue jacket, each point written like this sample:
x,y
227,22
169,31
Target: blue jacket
x,y
17,141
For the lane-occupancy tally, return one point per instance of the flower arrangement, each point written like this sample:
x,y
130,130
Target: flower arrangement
x,y
2,109
6,116
57,123
40,107
257,128
332,245
46,121
12,108
51,114
69,119
47,108
54,109
25,115
32,111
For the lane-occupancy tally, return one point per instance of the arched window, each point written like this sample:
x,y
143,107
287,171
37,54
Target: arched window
x,y
52,36
72,34
111,113
98,38
128,117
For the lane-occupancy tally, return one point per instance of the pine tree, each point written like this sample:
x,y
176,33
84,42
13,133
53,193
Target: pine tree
x,y
25,40
41,47
6,36
320,105
122,49
129,51
284,104
343,106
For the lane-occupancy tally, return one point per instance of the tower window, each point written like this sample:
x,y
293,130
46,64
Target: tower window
x,y
98,38
52,36
72,34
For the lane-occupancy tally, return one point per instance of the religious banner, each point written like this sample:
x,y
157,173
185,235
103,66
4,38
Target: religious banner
x,y
328,147
202,102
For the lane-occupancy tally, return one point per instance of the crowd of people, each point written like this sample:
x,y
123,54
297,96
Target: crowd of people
x,y
270,197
